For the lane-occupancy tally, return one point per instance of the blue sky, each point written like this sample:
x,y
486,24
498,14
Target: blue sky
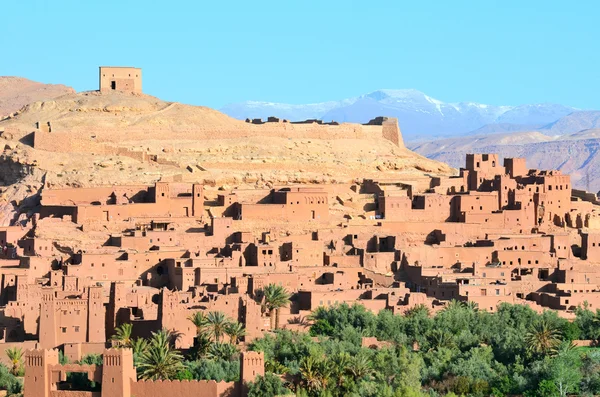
x,y
216,52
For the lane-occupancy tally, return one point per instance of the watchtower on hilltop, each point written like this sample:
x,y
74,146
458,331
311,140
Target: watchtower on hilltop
x,y
120,78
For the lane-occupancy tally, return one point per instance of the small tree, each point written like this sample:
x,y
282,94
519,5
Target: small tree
x,y
200,321
217,324
275,297
267,386
543,338
235,331
122,335
139,347
160,360
15,355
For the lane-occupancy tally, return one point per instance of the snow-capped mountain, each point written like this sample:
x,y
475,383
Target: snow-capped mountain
x,y
419,115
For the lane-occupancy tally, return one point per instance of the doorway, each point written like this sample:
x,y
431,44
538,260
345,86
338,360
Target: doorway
x,y
113,85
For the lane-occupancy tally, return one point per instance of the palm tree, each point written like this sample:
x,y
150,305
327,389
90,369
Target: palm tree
x,y
217,324
15,355
543,338
235,331
160,360
139,347
417,310
272,365
122,336
360,366
199,320
340,368
275,297
596,322
223,351
453,305
202,345
314,373
439,338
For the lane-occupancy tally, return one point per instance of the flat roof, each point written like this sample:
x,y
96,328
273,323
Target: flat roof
x,y
120,67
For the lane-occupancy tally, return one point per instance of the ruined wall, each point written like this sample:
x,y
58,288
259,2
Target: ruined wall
x,y
92,140
390,130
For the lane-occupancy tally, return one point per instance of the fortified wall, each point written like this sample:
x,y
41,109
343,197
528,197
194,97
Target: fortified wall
x,y
45,377
104,141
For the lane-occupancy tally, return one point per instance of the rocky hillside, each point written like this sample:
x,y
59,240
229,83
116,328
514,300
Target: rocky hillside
x,y
132,138
575,154
16,92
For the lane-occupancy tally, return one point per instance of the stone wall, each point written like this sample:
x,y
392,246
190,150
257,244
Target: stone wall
x,y
92,140
199,388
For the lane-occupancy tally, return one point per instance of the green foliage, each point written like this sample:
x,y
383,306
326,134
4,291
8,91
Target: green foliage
x,y
235,331
461,351
217,369
275,297
9,382
62,359
200,321
267,386
588,322
15,356
543,338
122,336
223,351
217,323
79,380
14,388
160,360
184,374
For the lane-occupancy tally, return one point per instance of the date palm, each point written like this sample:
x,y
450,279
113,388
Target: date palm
x,y
360,366
223,351
217,323
275,297
202,345
15,355
122,336
439,338
543,338
340,368
139,347
418,311
199,320
453,306
160,361
235,331
314,373
272,365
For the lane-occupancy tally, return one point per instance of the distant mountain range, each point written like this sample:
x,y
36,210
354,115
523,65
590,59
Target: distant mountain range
x,y
420,116
576,154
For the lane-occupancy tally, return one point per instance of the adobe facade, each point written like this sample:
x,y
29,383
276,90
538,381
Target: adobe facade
x,y
92,259
120,78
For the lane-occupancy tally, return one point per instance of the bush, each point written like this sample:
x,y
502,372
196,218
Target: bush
x,y
267,386
218,370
